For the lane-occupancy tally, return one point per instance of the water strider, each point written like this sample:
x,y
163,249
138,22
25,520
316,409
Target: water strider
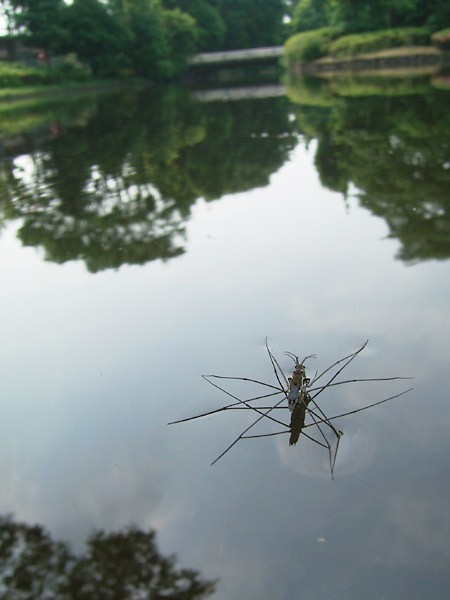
x,y
298,395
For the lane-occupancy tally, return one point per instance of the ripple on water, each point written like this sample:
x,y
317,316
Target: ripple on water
x,y
356,451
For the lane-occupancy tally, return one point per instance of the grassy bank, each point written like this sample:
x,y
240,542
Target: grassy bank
x,y
62,90
326,47
18,82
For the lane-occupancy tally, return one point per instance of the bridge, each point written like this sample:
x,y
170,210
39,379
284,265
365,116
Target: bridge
x,y
236,56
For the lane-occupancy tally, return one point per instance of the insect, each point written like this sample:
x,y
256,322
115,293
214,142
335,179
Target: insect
x,y
298,395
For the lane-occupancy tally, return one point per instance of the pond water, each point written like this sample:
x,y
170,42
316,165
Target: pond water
x,y
150,238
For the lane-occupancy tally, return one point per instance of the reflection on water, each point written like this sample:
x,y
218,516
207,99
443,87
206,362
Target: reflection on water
x,y
117,186
393,147
118,189
93,367
122,565
356,450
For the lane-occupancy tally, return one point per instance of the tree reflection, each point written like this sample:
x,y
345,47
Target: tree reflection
x,y
119,189
123,565
395,150
118,186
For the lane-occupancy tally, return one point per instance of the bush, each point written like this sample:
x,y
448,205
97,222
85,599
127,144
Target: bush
x,y
441,39
359,43
69,68
309,45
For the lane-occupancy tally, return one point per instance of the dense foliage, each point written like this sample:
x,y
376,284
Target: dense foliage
x,y
363,26
153,38
309,45
118,36
150,38
369,15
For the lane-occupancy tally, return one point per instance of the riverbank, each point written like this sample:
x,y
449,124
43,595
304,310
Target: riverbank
x,y
424,60
66,90
327,51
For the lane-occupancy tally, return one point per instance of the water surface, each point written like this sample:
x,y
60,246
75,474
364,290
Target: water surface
x,y
148,240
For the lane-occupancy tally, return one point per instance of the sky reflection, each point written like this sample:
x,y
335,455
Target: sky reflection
x,y
94,366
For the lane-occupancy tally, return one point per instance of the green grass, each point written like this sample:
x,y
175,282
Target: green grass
x,y
13,75
19,96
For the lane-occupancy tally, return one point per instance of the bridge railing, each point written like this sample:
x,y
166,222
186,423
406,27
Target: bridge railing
x,y
206,58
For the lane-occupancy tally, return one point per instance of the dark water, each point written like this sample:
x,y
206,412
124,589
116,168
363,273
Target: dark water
x,y
148,239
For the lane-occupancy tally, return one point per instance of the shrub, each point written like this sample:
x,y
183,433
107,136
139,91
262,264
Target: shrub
x,y
69,68
309,45
441,39
359,43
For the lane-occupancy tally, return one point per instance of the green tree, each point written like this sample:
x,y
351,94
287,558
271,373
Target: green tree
x,y
181,35
99,38
149,49
309,14
210,25
371,15
161,39
44,22
252,23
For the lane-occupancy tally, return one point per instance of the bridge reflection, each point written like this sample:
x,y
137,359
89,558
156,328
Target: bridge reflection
x,y
239,93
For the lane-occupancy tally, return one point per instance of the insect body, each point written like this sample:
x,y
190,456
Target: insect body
x,y
298,416
297,397
297,385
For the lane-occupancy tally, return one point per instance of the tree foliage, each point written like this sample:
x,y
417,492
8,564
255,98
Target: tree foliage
x,y
355,16
98,37
252,23
139,36
152,38
310,14
209,22
372,15
44,23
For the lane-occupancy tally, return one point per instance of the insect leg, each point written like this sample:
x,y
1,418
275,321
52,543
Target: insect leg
x,y
348,358
233,406
357,410
245,431
276,366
